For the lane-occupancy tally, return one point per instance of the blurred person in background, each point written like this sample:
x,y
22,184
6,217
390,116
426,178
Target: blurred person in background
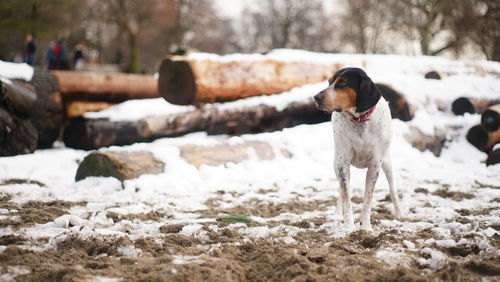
x,y
29,50
78,57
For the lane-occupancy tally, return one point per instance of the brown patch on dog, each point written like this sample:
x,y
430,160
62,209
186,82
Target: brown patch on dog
x,y
340,98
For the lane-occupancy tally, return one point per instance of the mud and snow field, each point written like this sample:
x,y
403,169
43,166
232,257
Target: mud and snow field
x,y
168,227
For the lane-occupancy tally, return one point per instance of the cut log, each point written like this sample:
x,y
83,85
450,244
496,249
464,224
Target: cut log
x,y
225,153
88,134
78,108
17,133
433,75
481,139
464,105
122,165
400,108
47,115
490,119
184,81
105,87
422,141
20,96
493,157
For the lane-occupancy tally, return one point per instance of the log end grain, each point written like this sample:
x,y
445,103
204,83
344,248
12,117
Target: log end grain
x,y
461,106
122,165
433,75
490,120
176,83
478,137
493,157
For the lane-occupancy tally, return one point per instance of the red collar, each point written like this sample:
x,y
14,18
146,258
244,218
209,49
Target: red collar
x,y
364,117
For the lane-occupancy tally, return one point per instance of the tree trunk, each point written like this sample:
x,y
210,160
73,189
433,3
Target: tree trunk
x,y
122,165
134,65
105,87
87,134
184,81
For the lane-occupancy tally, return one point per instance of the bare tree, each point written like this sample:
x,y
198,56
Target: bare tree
x,y
286,24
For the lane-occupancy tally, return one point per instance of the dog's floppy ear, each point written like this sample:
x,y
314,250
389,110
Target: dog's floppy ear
x,y
368,95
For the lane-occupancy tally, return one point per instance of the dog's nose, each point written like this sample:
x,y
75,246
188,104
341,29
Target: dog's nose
x,y
317,98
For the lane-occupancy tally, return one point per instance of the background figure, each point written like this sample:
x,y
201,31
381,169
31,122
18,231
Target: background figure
x,y
49,56
29,50
78,57
59,56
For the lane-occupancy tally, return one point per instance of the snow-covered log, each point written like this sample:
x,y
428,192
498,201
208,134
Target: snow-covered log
x,y
122,165
400,108
17,133
482,139
75,108
185,81
464,105
84,133
490,119
493,157
105,87
225,153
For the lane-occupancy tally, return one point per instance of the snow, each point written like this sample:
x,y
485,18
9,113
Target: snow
x,y
15,71
307,175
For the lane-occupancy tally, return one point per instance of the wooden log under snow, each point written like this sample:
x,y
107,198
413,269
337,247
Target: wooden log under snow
x,y
75,108
83,133
183,81
122,165
17,133
482,139
400,108
493,157
490,119
105,87
464,105
225,153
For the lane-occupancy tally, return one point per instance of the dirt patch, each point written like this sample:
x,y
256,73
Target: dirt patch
x,y
422,190
455,196
255,207
260,260
150,216
476,212
33,212
11,239
11,181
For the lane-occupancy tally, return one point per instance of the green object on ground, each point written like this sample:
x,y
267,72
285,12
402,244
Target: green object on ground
x,y
237,219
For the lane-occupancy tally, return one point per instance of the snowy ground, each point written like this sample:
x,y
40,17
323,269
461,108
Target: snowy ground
x,y
165,226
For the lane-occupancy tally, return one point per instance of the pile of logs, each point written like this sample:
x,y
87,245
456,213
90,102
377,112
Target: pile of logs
x,y
487,134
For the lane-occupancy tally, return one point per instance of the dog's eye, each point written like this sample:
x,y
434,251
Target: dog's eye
x,y
342,84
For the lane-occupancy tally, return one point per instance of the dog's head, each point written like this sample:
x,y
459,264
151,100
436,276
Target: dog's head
x,y
349,88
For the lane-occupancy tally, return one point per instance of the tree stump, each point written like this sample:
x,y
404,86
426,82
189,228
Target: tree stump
x,y
122,165
183,81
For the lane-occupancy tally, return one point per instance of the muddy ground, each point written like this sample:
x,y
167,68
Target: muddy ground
x,y
219,251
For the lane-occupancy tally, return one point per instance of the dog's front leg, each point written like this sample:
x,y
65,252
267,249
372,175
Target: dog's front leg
x,y
342,170
371,179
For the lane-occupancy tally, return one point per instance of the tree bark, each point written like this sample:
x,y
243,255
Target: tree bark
x,y
17,133
184,81
122,165
105,87
88,134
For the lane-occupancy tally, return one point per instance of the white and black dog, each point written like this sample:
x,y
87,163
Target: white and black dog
x,y
362,133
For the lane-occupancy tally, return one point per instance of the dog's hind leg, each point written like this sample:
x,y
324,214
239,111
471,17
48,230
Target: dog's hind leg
x,y
393,191
342,170
371,179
